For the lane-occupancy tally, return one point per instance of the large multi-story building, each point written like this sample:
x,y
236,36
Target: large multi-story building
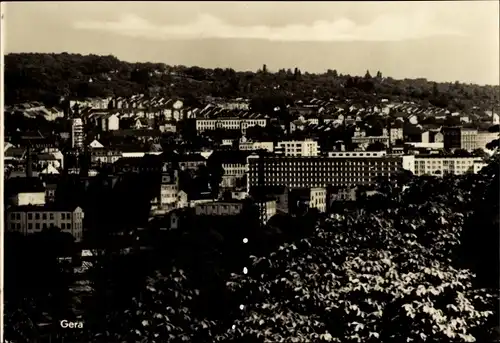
x,y
466,138
298,148
485,137
77,133
230,123
33,219
314,172
437,165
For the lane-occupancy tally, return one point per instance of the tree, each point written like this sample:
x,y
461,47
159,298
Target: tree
x,y
367,75
349,283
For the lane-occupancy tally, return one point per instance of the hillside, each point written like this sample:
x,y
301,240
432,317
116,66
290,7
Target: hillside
x,y
47,77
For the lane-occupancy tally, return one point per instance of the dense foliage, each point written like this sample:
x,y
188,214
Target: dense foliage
x,y
416,262
47,77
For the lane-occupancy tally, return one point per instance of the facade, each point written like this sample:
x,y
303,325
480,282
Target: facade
x,y
485,137
367,140
219,208
29,198
298,148
357,154
77,133
318,199
192,161
267,209
229,123
110,122
269,146
314,172
33,219
105,156
468,139
436,165
395,134
451,137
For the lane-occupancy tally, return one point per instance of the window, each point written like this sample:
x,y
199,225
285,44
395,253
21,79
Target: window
x,y
44,216
18,216
51,216
63,226
63,216
44,226
30,216
37,226
37,216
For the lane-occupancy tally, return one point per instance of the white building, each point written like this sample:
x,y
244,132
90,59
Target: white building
x,y
318,199
77,133
298,148
440,165
205,124
269,146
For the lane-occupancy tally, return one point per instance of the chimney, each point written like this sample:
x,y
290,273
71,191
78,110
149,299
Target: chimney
x,y
29,171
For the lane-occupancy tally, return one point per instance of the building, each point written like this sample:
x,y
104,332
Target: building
x,y
396,133
478,166
303,199
191,161
357,154
168,197
23,191
32,219
298,148
233,162
485,137
219,208
278,193
314,172
266,208
77,133
105,156
438,165
367,140
109,122
229,123
468,139
268,146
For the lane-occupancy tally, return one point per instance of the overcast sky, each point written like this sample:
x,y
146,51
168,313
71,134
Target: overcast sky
x,y
442,40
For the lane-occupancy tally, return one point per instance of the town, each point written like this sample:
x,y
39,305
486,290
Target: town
x,y
183,182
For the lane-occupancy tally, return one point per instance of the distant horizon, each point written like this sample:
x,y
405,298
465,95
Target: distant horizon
x,y
438,41
269,69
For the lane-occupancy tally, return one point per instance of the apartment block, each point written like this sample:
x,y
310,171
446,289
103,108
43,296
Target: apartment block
x,y
319,172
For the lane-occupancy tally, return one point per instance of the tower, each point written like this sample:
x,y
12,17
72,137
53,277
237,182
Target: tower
x,y
77,133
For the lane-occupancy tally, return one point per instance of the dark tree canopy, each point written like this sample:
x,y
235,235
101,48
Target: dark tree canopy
x,y
47,77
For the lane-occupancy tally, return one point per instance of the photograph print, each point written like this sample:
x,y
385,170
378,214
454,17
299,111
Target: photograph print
x,y
256,172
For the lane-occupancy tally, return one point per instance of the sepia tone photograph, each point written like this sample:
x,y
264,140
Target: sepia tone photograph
x,y
255,172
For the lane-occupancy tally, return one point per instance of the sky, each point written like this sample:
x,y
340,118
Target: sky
x,y
440,40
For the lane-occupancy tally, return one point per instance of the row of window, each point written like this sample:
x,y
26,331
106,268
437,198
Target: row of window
x,y
43,226
44,215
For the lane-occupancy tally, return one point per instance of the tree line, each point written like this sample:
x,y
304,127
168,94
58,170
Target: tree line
x,y
48,77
